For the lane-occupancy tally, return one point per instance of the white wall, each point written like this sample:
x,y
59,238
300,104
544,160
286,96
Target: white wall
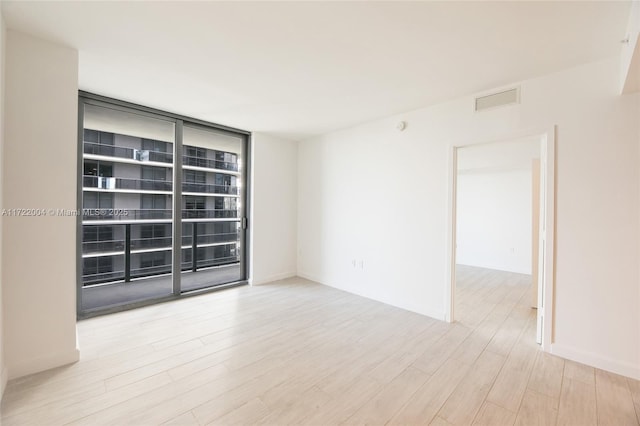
x,y
38,273
3,370
273,208
493,227
380,195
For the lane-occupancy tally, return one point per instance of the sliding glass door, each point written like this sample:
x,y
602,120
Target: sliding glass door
x,y
212,208
161,206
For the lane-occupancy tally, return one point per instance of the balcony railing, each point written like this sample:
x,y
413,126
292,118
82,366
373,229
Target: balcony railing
x,y
127,270
126,183
141,155
91,247
207,263
157,156
154,214
208,163
151,270
209,188
151,243
90,181
209,214
202,239
99,277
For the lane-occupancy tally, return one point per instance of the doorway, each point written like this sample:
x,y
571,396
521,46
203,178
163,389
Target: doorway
x,y
501,233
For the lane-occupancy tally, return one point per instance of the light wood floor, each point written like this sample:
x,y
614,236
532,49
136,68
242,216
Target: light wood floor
x,y
295,352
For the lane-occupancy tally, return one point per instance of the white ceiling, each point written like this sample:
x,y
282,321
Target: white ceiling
x,y
296,69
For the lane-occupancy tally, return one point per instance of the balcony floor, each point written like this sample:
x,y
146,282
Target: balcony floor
x,y
120,293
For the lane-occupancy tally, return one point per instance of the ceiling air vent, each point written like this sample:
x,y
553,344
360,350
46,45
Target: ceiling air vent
x,y
507,97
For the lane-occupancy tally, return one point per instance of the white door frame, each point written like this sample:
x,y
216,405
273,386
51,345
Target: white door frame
x,y
547,225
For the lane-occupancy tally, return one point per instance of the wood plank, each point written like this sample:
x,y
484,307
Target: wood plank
x,y
249,413
634,387
439,421
546,377
286,379
506,336
494,415
430,397
339,409
469,350
615,403
511,383
580,372
185,419
68,410
577,404
469,395
436,355
381,408
537,410
295,408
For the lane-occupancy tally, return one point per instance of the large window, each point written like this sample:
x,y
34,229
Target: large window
x,y
195,176
97,137
98,168
153,231
97,200
153,201
97,233
195,203
98,269
154,145
154,173
142,237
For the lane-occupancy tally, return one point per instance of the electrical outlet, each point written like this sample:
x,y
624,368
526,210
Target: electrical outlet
x,y
361,264
353,263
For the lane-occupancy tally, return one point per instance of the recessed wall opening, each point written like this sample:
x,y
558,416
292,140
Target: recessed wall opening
x,y
500,247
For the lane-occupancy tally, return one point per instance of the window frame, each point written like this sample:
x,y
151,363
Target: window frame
x,y
87,98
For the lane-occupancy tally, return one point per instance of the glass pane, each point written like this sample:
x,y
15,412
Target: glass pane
x,y
211,208
127,191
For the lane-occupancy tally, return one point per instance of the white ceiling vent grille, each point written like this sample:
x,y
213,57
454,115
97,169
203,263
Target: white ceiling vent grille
x,y
507,97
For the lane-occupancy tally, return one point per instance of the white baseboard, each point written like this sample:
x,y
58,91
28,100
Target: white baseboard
x,y
494,268
3,380
271,278
618,367
439,315
38,364
309,277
